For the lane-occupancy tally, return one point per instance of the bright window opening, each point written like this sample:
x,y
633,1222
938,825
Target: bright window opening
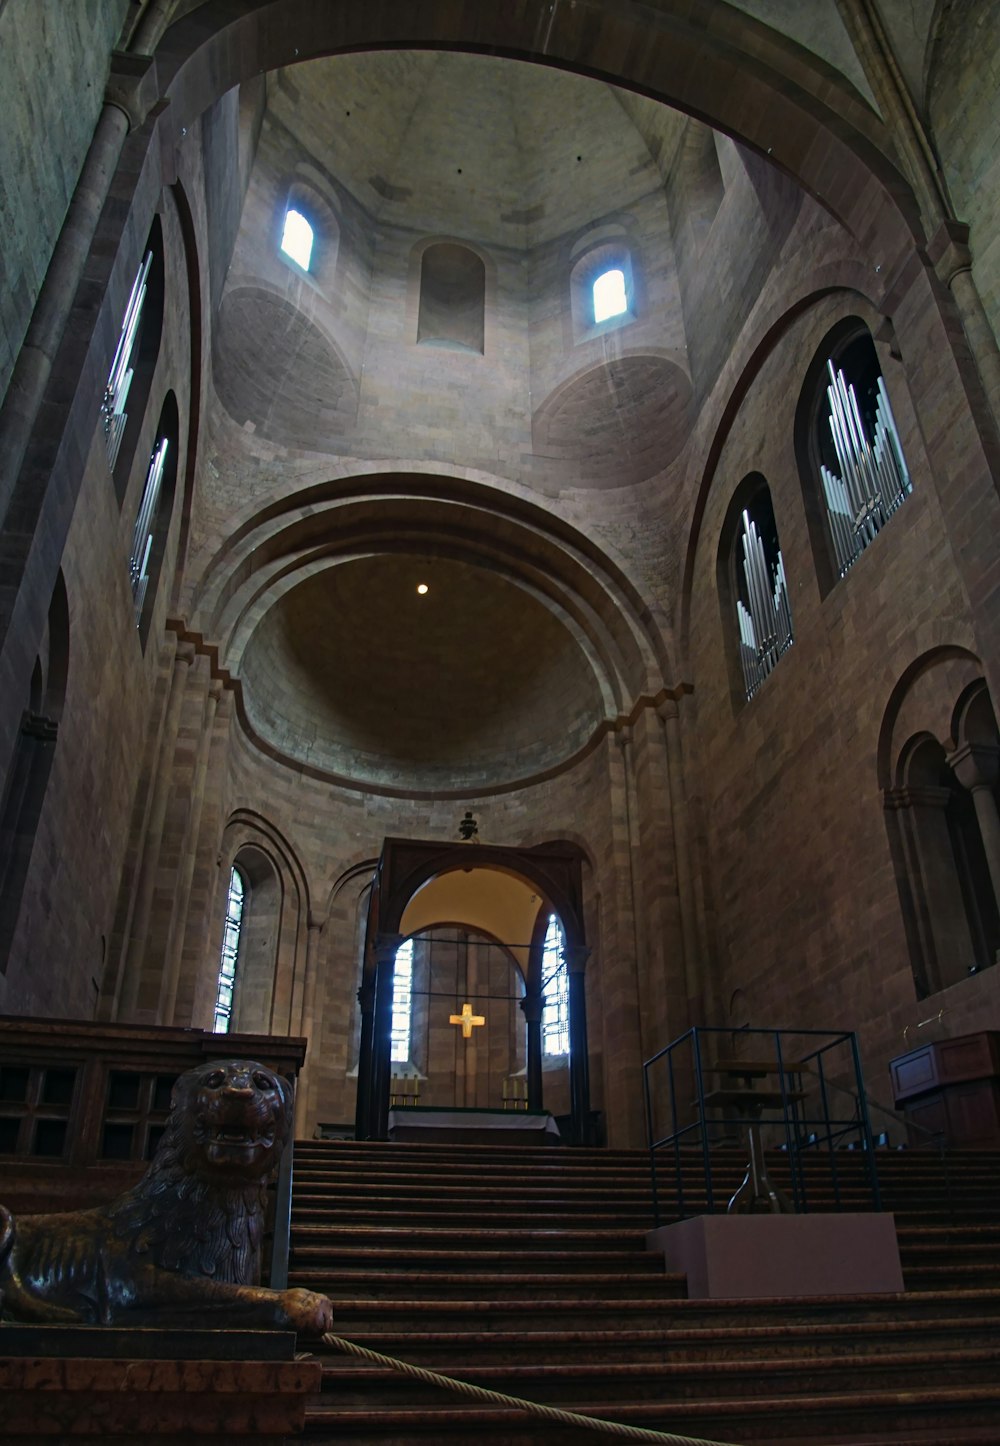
x,y
555,986
402,1000
230,954
609,295
297,238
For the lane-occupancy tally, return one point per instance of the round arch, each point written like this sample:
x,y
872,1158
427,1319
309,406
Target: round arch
x,y
782,101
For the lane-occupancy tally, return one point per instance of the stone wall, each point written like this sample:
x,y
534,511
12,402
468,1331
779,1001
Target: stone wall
x,y
54,63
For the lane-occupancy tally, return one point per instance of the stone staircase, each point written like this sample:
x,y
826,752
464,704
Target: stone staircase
x,y
524,1270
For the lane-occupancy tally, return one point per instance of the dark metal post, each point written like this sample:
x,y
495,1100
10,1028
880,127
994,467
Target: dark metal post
x,y
705,1152
652,1142
532,1006
362,1109
385,960
579,1064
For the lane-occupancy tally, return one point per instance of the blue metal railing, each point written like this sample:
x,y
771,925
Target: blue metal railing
x,y
810,1070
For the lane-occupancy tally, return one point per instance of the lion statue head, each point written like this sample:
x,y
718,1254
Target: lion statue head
x,y
199,1207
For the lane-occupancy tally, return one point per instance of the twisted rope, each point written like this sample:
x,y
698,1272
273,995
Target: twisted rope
x,y
497,1398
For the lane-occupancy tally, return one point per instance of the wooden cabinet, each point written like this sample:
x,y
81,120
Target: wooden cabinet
x,y
953,1086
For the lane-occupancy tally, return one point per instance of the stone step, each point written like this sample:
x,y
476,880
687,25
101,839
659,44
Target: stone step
x,y
349,1284
557,1313
467,1237
349,1383
765,1419
679,1343
382,1258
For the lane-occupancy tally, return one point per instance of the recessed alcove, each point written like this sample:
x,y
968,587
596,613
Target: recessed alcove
x,y
477,683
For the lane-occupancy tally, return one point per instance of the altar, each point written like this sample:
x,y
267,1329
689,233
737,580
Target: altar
x,y
430,1125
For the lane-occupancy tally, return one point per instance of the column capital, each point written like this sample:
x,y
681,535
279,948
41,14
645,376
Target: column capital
x,y
385,946
576,959
949,250
917,795
975,765
532,1007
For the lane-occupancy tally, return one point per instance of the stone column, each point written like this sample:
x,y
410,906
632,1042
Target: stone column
x,y
977,767
182,895
942,919
128,998
669,717
952,259
307,1013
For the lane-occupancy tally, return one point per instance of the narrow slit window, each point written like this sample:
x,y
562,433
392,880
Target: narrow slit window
x,y
297,238
230,954
555,986
609,295
402,1001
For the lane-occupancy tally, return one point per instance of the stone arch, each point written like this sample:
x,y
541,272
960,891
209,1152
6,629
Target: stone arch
x,y
273,947
940,755
787,105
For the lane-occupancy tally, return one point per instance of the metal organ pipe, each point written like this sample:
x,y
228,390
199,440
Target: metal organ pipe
x,y
873,478
766,626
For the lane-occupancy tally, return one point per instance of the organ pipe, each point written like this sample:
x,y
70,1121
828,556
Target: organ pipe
x,y
142,537
766,624
120,377
872,479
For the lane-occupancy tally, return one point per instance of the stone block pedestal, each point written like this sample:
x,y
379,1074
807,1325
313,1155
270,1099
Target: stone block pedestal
x,y
70,1387
759,1256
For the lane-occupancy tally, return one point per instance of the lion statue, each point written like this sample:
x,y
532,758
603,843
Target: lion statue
x,y
182,1248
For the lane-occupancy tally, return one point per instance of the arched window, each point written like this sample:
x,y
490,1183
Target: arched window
x,y
602,282
297,238
152,522
609,294
452,310
846,429
555,987
753,583
230,952
402,1002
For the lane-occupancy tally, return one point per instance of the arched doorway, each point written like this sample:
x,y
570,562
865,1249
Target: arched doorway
x,y
462,907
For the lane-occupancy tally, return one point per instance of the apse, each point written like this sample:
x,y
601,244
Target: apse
x,y
471,683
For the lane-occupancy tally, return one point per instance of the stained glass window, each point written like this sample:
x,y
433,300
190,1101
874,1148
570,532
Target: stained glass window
x,y
555,986
230,954
402,997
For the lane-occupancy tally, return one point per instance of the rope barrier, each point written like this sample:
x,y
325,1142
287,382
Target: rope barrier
x,y
497,1398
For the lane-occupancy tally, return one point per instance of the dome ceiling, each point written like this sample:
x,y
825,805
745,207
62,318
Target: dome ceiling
x,y
474,685
512,153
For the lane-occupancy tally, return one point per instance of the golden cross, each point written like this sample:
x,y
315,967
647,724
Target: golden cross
x,y
467,1020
